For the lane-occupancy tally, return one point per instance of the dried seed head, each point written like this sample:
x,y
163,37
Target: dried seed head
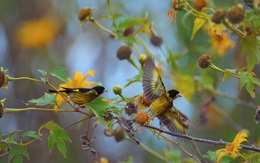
x,y
123,52
2,108
204,61
85,14
219,16
128,31
117,90
3,78
144,101
249,30
142,118
236,15
179,4
156,40
257,115
108,117
119,134
131,108
200,4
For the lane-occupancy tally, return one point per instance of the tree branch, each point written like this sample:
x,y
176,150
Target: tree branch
x,y
253,148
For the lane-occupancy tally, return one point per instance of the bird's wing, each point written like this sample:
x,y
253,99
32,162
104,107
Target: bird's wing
x,y
82,90
175,120
152,83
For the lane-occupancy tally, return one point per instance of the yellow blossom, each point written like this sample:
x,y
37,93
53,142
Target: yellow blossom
x,y
232,148
77,82
220,41
145,28
36,33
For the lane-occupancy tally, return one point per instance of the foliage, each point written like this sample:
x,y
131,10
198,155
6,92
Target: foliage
x,y
196,75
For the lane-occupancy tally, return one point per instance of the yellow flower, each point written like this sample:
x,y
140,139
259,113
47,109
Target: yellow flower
x,y
36,33
220,41
232,148
77,82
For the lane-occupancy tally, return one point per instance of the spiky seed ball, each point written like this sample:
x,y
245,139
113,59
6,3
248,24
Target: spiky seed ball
x,y
145,102
142,118
249,30
236,15
123,52
85,14
218,16
131,108
156,40
119,134
204,61
3,78
128,31
2,111
200,4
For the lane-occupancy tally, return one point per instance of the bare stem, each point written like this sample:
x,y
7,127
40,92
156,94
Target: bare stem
x,y
146,148
208,141
24,78
16,110
102,27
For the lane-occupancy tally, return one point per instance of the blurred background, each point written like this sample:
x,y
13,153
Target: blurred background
x,y
46,34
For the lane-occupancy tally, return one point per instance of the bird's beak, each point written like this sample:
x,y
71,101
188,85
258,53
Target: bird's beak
x,y
178,95
105,90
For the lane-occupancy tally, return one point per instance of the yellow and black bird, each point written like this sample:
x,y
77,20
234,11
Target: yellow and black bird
x,y
162,100
81,96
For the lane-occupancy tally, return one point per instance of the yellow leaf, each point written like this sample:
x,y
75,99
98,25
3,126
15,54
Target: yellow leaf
x,y
145,28
198,23
185,85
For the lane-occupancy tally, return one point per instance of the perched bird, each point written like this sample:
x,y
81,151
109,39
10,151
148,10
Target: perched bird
x,y
162,100
81,96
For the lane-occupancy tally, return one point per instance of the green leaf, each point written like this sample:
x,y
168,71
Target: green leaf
x,y
82,121
206,82
252,60
227,73
117,15
60,74
171,60
32,134
18,159
250,47
130,22
249,80
57,136
44,73
115,110
211,155
62,147
44,100
198,23
136,78
17,152
99,108
10,139
174,155
3,147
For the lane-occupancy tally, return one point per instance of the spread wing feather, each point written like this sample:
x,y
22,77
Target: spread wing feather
x,y
152,83
175,120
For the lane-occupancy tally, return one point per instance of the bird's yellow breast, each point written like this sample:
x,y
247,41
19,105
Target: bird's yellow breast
x,y
161,104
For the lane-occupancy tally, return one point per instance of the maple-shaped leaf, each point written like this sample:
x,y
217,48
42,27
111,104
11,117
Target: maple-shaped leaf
x,y
249,80
250,46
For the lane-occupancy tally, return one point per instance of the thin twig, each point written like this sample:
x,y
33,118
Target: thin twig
x,y
178,144
208,141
